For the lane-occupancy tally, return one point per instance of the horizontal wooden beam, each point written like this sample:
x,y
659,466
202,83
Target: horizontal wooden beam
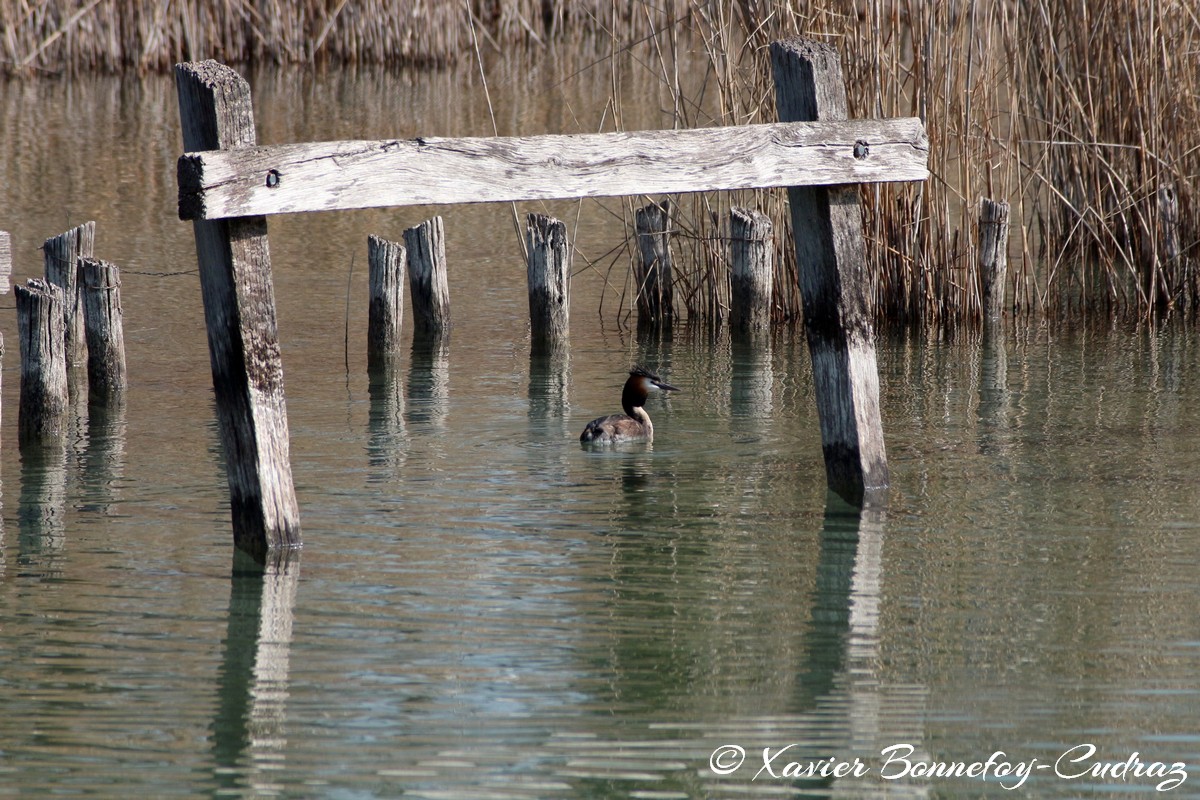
x,y
331,176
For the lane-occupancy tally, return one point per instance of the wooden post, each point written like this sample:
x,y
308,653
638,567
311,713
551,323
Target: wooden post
x,y
427,284
751,257
653,272
101,291
549,275
993,256
5,271
239,311
5,260
385,261
834,282
61,255
43,410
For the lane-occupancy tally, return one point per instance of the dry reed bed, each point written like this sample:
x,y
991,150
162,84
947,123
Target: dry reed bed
x,y
1083,114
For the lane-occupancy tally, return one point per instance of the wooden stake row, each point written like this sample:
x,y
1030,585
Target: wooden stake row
x,y
548,271
71,314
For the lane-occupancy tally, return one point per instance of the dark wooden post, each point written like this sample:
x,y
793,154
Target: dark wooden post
x,y
548,269
385,263
834,283
239,311
101,291
655,282
427,283
751,263
61,254
5,271
993,256
44,400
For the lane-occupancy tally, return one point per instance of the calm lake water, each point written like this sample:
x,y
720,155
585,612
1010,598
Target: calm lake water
x,y
484,609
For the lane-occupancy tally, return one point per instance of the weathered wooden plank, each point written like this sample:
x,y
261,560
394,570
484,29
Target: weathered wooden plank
x,y
239,312
834,283
328,176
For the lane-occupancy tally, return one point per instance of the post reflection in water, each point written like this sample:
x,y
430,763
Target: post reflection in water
x,y
41,509
549,394
249,733
429,381
387,435
102,464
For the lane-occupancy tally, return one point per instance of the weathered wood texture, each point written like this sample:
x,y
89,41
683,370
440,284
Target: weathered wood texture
x,y
61,254
834,283
40,323
548,269
993,255
427,282
5,261
100,283
751,270
239,311
654,271
385,314
327,176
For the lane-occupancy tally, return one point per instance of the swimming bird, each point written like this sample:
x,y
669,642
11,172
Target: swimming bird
x,y
634,425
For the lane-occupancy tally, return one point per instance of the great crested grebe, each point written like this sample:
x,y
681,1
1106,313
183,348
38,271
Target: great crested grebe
x,y
634,425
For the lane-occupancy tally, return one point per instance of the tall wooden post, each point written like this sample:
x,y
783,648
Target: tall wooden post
x,y
993,256
834,283
548,271
239,311
61,255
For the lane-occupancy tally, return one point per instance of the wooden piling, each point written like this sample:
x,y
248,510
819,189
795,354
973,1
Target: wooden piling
x,y
239,311
426,244
993,256
548,269
834,282
44,401
5,260
100,283
751,270
653,271
61,255
385,263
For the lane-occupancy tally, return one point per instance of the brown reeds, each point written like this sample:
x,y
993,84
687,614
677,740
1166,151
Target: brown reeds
x,y
1084,115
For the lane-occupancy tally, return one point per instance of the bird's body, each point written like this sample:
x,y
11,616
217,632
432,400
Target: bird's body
x,y
634,425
